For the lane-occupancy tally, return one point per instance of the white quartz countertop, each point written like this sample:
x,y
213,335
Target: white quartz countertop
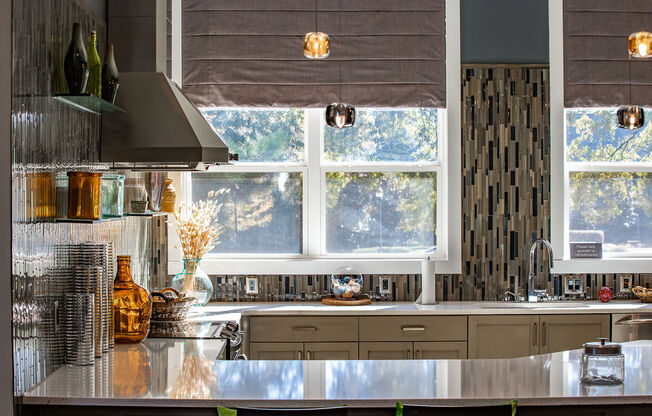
x,y
184,373
443,308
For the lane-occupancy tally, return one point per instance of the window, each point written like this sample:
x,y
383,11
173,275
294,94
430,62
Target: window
x,y
609,182
360,192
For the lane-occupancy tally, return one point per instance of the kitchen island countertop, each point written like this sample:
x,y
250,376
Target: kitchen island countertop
x,y
234,311
183,373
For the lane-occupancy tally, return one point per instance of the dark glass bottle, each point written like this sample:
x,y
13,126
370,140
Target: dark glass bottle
x,y
75,65
132,305
94,84
110,77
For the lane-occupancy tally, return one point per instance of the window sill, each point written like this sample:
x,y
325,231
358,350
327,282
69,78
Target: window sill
x,y
604,266
316,266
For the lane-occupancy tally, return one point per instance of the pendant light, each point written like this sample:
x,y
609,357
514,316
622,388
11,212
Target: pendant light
x,y
316,45
640,45
630,116
340,115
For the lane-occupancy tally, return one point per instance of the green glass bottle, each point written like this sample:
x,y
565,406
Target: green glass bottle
x,y
94,85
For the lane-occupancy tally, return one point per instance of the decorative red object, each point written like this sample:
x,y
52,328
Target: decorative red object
x,y
606,294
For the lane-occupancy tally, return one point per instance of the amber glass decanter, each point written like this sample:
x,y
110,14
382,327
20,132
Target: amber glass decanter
x,y
132,305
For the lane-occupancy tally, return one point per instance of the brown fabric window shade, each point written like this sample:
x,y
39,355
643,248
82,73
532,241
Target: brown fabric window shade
x,y
250,53
596,72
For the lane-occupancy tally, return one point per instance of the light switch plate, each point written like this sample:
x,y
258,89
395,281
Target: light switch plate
x,y
251,285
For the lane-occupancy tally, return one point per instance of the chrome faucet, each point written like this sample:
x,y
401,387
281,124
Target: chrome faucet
x,y
534,294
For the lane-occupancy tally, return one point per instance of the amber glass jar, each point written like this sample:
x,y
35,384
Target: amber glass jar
x,y
132,305
84,195
40,200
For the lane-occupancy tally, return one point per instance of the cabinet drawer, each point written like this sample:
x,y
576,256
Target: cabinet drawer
x,y
303,328
413,328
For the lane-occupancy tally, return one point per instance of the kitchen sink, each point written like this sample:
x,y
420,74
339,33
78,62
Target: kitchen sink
x,y
538,305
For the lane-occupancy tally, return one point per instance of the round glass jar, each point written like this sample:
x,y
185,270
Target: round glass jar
x,y
602,363
347,283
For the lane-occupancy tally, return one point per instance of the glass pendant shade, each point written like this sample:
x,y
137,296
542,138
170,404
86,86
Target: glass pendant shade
x,y
340,115
640,45
316,45
630,117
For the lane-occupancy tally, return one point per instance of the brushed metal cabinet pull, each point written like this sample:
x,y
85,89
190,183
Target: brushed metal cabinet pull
x,y
534,335
304,328
409,354
308,355
299,355
413,328
544,335
417,354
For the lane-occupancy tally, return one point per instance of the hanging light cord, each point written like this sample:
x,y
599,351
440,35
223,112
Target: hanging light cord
x,y
340,29
629,70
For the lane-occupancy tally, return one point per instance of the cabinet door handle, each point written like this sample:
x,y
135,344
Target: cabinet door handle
x,y
534,335
417,354
413,328
308,355
304,328
299,355
544,336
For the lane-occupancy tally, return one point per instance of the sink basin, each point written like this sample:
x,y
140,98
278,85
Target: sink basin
x,y
538,305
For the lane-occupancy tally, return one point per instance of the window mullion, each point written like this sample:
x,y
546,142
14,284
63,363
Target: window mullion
x,y
312,196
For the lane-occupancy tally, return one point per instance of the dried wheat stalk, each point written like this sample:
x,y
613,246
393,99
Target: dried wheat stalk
x,y
195,225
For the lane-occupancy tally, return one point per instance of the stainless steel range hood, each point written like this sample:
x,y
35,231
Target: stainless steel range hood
x,y
162,129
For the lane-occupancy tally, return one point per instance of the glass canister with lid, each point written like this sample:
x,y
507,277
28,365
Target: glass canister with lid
x,y
602,363
113,195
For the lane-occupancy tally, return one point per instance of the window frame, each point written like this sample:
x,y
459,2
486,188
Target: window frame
x,y
311,260
561,169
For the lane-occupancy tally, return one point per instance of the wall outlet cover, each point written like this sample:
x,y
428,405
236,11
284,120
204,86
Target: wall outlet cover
x,y
385,286
251,285
625,283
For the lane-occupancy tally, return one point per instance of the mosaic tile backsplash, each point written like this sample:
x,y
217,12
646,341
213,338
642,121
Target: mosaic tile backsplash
x,y
505,202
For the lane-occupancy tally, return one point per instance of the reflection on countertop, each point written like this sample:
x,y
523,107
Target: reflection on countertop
x,y
234,311
185,373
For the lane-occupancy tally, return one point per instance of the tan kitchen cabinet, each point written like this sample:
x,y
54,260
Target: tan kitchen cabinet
x,y
330,351
303,351
386,350
503,336
440,350
276,351
509,336
412,350
567,332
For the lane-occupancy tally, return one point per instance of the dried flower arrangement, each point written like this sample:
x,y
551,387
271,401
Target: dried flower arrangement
x,y
196,226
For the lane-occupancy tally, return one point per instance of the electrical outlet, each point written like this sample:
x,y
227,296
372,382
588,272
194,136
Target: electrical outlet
x,y
251,285
625,283
385,286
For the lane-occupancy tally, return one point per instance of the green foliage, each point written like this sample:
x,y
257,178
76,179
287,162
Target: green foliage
x,y
593,136
406,135
268,135
617,203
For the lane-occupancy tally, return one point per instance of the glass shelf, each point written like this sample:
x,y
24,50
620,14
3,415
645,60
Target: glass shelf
x,y
84,221
89,103
146,214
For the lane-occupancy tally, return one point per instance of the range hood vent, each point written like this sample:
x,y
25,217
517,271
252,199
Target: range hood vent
x,y
160,130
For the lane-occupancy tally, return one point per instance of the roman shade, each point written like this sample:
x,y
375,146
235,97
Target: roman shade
x,y
596,72
391,53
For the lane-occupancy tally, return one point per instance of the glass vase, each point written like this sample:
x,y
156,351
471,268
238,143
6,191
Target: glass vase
x,y
194,282
132,305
